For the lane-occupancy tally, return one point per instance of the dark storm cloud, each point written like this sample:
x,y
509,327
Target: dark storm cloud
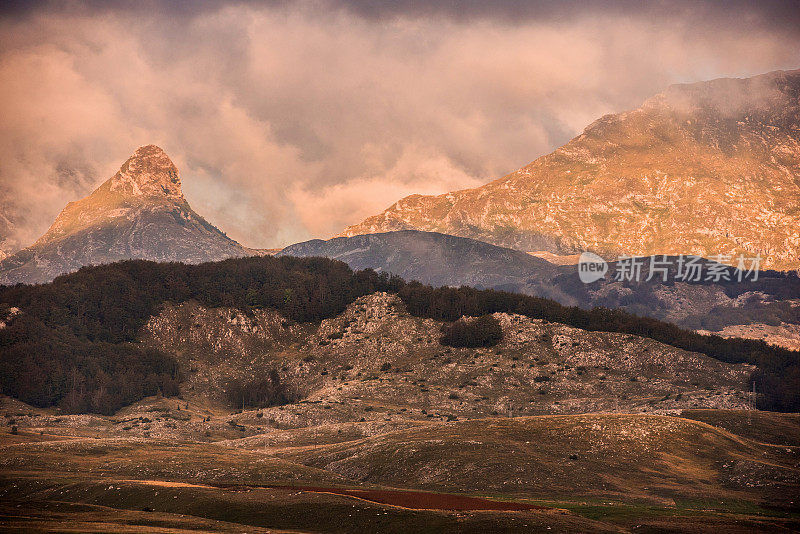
x,y
783,14
775,13
292,120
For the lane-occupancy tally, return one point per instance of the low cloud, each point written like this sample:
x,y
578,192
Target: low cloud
x,y
291,121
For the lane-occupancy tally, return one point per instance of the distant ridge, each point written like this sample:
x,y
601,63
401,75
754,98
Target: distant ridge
x,y
446,260
436,259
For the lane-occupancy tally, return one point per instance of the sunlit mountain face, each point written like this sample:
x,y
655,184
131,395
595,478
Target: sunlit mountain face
x,y
293,121
711,168
139,213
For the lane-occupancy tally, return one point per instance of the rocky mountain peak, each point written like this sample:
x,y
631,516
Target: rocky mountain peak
x,y
148,172
139,213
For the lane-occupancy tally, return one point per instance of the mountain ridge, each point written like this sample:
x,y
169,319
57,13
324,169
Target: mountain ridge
x,y
711,168
432,258
752,307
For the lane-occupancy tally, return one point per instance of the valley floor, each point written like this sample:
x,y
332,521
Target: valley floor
x,y
696,471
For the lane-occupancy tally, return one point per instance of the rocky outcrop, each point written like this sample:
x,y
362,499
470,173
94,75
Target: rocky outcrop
x,y
378,362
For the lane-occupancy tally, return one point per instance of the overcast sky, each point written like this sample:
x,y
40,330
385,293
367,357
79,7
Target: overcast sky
x,y
290,121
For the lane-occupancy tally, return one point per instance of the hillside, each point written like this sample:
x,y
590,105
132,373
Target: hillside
x,y
279,329
139,213
652,458
378,362
707,168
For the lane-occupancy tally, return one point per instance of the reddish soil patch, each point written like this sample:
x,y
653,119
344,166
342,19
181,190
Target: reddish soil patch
x,y
419,500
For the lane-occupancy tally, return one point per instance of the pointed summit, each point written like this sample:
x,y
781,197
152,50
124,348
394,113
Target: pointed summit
x,y
148,172
140,212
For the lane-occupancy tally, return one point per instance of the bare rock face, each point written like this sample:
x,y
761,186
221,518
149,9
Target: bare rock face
x,y
139,213
706,169
149,172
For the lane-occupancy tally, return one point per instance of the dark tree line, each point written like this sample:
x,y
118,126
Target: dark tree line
x,y
52,367
112,302
74,343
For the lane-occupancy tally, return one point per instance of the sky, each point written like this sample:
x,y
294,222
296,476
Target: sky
x,y
290,121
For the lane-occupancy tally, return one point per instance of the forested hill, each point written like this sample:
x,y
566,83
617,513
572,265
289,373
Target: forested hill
x,y
73,342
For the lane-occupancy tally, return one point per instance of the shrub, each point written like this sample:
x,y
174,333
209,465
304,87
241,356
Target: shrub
x,y
260,393
483,331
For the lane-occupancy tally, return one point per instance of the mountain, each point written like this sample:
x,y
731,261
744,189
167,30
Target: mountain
x,y
436,259
139,213
707,168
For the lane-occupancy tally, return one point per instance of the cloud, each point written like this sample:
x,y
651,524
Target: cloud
x,y
417,170
291,121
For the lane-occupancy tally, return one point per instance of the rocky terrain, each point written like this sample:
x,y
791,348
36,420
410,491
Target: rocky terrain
x,y
707,168
139,213
377,363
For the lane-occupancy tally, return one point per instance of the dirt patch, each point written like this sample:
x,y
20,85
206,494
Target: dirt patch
x,y
166,484
418,500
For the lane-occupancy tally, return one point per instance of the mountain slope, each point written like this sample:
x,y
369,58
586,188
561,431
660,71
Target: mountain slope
x,y
707,168
436,259
139,213
7,243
